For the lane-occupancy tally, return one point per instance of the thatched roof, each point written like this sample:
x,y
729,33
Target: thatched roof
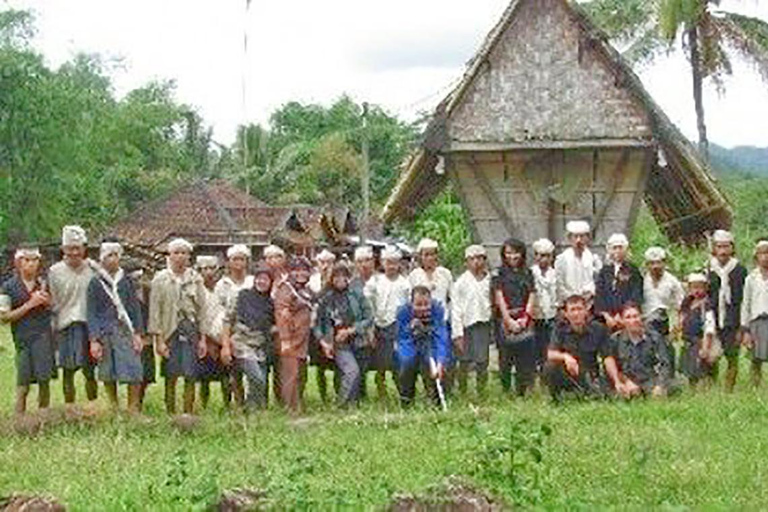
x,y
682,194
215,213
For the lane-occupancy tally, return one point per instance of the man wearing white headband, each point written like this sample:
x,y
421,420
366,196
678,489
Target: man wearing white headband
x,y
754,312
211,367
322,275
275,259
431,274
116,327
619,283
662,294
698,329
178,316
726,290
471,319
25,305
387,293
69,280
577,267
545,305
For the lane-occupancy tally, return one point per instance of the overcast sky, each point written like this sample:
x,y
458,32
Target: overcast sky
x,y
402,54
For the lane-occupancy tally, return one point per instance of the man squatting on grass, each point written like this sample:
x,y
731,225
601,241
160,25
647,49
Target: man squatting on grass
x,y
25,304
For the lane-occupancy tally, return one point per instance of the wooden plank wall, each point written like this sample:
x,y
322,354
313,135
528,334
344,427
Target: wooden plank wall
x,y
606,187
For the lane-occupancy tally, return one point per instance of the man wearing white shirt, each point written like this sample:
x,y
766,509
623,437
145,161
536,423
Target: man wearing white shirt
x,y
577,266
471,319
387,292
662,294
754,312
430,274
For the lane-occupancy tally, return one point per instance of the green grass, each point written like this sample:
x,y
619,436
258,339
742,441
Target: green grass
x,y
706,450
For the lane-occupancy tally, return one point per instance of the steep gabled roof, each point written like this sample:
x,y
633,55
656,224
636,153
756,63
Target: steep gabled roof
x,y
682,195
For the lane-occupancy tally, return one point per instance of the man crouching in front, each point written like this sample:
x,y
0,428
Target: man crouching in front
x,y
573,359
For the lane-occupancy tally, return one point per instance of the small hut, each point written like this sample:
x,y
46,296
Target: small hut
x,y
548,125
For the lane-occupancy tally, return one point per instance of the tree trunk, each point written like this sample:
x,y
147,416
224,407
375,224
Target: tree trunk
x,y
693,44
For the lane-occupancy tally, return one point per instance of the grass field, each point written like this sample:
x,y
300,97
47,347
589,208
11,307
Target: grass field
x,y
706,450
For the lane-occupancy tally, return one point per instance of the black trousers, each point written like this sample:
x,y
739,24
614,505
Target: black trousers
x,y
522,357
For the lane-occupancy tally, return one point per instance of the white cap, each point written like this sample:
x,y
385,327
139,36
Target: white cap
x,y
761,245
27,253
722,236
697,277
474,250
655,254
238,250
273,250
543,246
363,252
578,227
617,240
391,252
110,248
427,244
73,235
325,255
207,261
179,244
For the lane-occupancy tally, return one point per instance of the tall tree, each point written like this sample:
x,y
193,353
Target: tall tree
x,y
709,37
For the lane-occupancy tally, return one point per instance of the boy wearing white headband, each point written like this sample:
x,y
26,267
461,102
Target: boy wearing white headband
x,y
322,275
69,280
545,306
726,290
577,266
754,312
618,283
26,304
387,292
115,327
178,316
211,368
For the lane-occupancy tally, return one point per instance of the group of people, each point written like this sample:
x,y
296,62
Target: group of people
x,y
584,326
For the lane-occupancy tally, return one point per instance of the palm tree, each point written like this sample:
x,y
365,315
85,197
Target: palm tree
x,y
709,37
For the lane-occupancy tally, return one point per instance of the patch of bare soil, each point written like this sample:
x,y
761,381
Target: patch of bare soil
x,y
240,500
23,503
452,498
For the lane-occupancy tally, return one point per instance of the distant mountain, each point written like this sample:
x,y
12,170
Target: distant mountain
x,y
745,159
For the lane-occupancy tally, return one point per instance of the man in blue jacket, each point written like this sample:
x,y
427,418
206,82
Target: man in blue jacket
x,y
422,344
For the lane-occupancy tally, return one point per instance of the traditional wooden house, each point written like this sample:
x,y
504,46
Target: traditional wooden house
x,y
214,215
549,124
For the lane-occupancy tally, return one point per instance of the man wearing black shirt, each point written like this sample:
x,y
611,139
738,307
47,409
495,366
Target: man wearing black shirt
x,y
573,358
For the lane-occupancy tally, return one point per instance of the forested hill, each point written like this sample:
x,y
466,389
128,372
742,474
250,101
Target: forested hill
x,y
744,159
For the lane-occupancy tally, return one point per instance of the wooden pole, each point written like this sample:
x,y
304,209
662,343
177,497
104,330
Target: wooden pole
x,y
366,177
244,86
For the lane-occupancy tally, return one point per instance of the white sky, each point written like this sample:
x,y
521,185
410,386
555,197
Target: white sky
x,y
401,54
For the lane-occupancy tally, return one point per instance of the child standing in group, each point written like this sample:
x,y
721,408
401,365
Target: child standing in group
x,y
545,307
754,312
25,304
697,324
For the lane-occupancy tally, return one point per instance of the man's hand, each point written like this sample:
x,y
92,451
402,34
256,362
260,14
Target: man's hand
x,y
138,343
631,389
343,334
571,365
511,326
39,298
162,349
96,350
659,392
202,350
327,349
460,345
746,339
226,353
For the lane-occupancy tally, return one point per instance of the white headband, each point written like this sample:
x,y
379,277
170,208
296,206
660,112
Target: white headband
x,y
108,249
543,246
655,254
73,235
474,250
391,253
325,255
238,250
27,253
427,244
206,261
364,252
616,240
578,227
179,244
722,236
273,250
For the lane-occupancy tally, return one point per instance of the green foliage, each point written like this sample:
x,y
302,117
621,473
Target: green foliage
x,y
443,220
71,152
